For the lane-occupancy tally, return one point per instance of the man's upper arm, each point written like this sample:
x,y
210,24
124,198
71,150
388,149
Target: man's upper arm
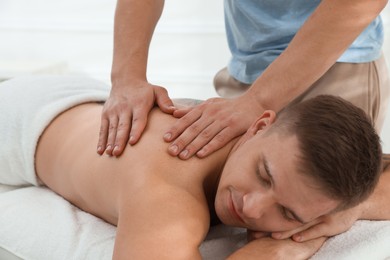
x,y
161,221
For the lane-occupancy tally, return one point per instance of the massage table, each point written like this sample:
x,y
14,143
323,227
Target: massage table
x,y
37,224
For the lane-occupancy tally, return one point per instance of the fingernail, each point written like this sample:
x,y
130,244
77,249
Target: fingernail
x,y
131,139
184,154
174,149
108,150
167,136
99,149
201,153
116,148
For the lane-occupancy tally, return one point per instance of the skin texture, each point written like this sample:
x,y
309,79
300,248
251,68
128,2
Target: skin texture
x,y
163,208
206,128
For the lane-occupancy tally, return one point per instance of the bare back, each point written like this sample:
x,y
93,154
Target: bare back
x,y
145,186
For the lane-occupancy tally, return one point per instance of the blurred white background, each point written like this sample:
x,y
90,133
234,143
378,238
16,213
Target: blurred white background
x,y
76,36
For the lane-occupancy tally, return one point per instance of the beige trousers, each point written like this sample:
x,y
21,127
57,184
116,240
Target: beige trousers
x,y
366,85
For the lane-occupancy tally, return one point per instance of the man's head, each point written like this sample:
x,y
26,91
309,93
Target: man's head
x,y
312,158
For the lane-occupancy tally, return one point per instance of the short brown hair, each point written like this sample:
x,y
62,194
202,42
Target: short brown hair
x,y
339,146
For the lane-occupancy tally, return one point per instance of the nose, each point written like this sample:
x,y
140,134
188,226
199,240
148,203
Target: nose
x,y
256,204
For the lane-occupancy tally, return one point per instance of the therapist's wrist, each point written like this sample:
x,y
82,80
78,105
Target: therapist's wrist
x,y
125,73
253,98
125,80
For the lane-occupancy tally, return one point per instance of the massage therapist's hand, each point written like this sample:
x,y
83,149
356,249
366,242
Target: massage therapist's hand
x,y
328,225
125,115
210,125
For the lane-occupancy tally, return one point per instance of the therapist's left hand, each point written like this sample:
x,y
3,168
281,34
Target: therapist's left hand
x,y
207,127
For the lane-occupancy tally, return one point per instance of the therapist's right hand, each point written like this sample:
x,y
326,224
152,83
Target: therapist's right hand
x,y
125,114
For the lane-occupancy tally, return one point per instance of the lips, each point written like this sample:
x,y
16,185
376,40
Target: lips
x,y
233,210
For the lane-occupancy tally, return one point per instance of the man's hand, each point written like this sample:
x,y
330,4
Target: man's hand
x,y
207,127
269,248
125,115
328,225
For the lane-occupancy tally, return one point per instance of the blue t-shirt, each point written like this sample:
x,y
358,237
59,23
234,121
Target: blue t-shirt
x,y
258,31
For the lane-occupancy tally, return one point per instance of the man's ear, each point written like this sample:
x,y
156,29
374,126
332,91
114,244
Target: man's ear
x,y
263,122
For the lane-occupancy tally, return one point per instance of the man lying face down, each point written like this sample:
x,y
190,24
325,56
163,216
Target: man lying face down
x,y
310,160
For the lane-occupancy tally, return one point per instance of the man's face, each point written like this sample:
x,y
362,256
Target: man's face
x,y
262,189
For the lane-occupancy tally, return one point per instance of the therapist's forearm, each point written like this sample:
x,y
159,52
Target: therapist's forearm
x,y
327,33
135,21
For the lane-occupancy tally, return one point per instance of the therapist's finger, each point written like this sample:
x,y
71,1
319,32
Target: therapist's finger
x,y
208,133
103,135
163,101
181,125
112,128
122,134
139,120
219,140
180,143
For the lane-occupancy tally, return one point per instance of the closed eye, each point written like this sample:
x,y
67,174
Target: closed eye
x,y
265,182
285,214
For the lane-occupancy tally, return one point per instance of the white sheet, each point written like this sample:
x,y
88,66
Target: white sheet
x,y
34,219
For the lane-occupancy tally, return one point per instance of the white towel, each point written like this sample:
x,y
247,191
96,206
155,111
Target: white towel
x,y
365,240
28,105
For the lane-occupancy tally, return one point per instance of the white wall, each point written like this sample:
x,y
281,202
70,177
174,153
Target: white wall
x,y
75,36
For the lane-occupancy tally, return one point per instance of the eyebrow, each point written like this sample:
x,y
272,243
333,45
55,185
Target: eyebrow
x,y
268,172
